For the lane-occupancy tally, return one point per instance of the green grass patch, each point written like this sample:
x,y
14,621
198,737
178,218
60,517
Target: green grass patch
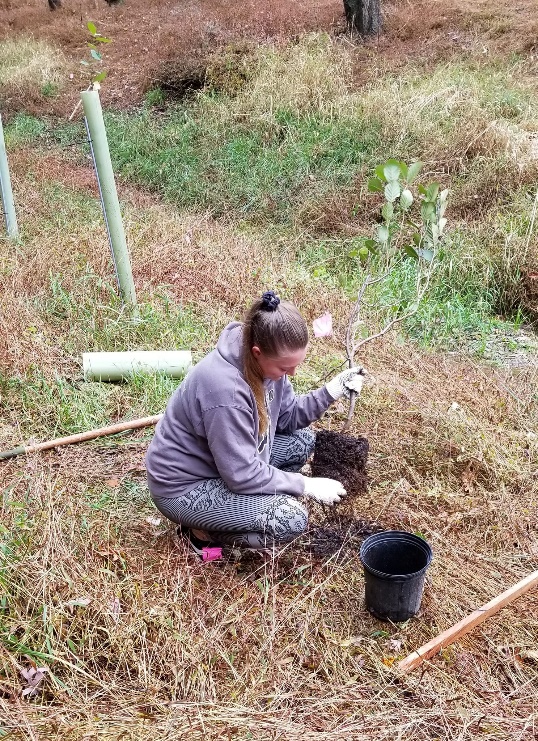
x,y
261,172
47,408
87,318
90,317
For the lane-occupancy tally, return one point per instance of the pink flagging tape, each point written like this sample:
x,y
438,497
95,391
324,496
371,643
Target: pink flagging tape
x,y
212,554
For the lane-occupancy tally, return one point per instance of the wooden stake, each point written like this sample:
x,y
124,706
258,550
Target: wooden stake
x,y
464,626
82,436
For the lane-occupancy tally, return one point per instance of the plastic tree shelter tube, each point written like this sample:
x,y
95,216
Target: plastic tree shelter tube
x,y
8,204
109,196
114,366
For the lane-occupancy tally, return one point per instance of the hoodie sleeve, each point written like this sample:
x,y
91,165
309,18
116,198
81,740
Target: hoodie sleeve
x,y
231,437
297,412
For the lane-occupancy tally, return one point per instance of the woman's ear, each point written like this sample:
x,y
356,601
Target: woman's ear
x,y
256,351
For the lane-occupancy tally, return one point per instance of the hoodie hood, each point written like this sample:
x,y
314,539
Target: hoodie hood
x,y
230,345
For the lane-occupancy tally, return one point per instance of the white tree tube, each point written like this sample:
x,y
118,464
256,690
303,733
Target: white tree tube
x,y
115,366
8,204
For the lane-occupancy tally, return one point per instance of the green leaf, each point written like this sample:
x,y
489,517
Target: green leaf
x,y
421,189
417,239
95,55
371,245
103,39
413,170
375,185
411,251
392,171
403,169
382,236
392,190
427,211
379,171
92,28
441,224
100,77
353,253
363,254
387,211
426,255
431,191
84,62
406,199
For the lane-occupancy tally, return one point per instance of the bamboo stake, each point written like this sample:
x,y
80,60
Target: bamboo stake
x,y
82,436
468,623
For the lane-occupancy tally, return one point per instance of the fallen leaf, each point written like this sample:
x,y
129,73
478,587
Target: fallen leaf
x,y
353,641
78,602
112,483
154,520
394,645
115,609
33,677
388,660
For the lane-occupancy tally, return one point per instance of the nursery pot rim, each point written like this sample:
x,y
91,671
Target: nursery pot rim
x,y
410,538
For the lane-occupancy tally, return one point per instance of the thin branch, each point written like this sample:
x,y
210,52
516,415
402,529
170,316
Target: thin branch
x,y
354,316
353,347
390,325
352,401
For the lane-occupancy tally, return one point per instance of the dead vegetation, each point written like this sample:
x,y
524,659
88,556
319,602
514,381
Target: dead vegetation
x,y
154,638
142,641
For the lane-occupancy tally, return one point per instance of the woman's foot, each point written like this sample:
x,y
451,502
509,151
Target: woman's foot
x,y
204,548
200,534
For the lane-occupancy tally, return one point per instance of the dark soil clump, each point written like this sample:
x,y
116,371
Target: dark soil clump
x,y
341,457
341,535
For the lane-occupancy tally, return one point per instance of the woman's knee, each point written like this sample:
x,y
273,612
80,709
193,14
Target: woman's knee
x,y
309,440
300,446
288,519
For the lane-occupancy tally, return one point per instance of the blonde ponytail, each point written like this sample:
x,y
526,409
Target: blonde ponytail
x,y
276,327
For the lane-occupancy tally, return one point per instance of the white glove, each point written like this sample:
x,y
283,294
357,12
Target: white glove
x,y
326,491
349,380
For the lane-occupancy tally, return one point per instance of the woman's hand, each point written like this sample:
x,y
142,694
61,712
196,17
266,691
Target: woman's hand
x,y
325,491
347,381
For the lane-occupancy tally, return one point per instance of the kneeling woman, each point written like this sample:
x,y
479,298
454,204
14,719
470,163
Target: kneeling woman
x,y
224,463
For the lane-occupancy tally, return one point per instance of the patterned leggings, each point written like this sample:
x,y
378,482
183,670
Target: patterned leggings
x,y
249,520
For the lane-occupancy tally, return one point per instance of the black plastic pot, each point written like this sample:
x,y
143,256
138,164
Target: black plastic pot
x,y
395,565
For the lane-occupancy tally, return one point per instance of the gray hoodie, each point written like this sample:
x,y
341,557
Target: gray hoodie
x,y
210,428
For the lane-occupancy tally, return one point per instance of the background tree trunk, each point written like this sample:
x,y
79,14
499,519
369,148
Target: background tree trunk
x,y
363,16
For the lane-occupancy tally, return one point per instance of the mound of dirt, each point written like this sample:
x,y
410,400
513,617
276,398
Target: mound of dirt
x,y
341,457
342,535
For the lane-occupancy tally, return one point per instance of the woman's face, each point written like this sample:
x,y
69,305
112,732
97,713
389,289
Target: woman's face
x,y
283,365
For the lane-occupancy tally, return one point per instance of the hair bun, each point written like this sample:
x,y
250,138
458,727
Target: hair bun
x,y
270,301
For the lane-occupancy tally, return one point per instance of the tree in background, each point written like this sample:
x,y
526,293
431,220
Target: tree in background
x,y
363,16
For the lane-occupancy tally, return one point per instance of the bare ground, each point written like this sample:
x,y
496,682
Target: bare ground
x,y
148,36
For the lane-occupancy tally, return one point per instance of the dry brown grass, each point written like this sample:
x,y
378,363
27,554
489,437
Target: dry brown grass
x,y
26,62
188,35
162,646
31,71
285,648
